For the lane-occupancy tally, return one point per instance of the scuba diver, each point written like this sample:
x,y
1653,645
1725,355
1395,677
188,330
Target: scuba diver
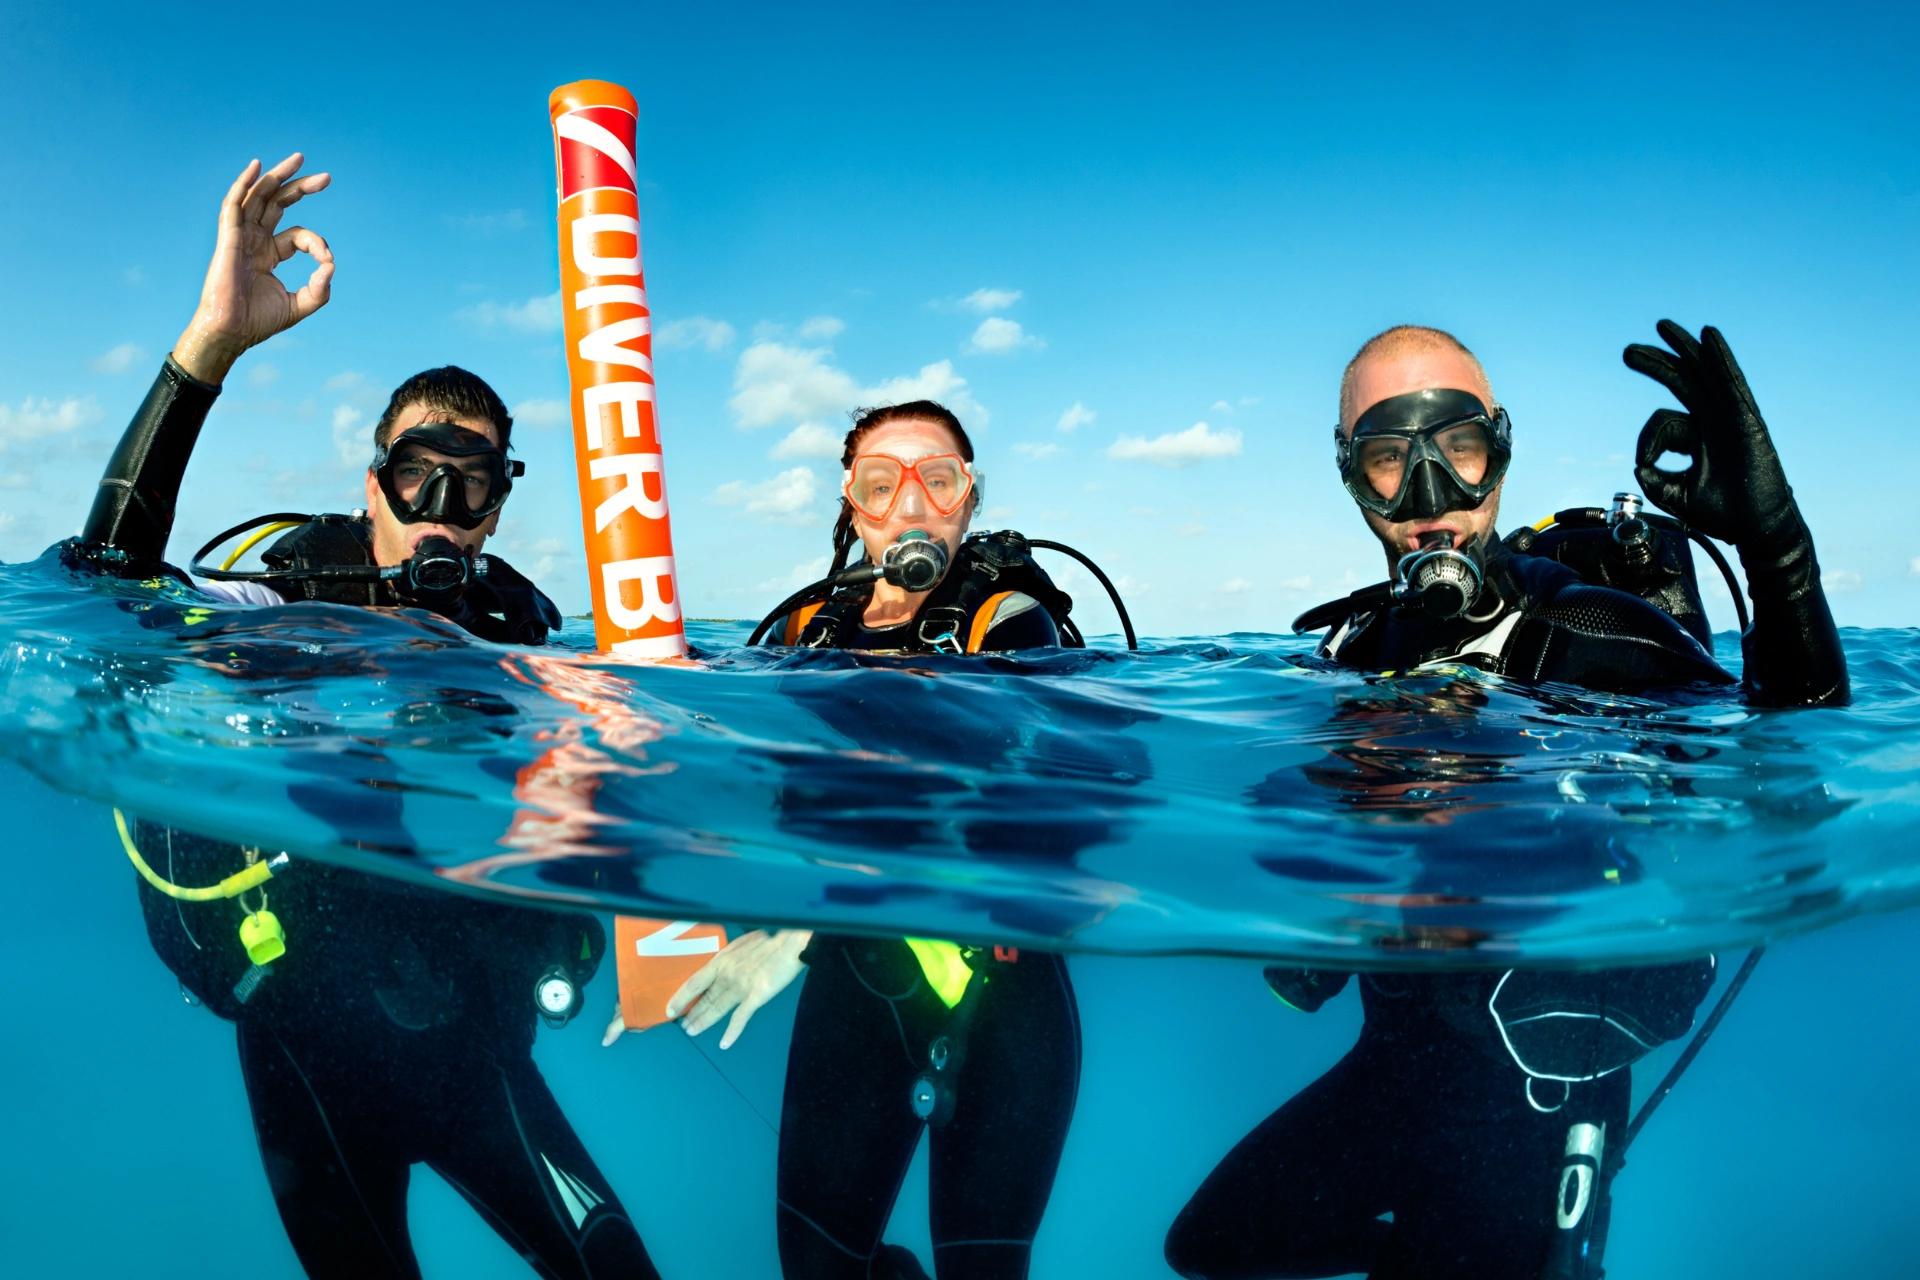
x,y
976,1044
381,1025
1475,1127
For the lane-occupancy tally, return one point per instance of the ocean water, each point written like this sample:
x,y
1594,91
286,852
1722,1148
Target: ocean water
x,y
1169,817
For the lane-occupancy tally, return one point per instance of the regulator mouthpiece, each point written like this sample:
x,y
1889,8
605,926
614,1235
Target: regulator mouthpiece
x,y
915,562
1437,579
438,569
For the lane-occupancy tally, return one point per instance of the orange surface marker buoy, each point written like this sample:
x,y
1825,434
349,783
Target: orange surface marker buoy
x,y
622,473
609,335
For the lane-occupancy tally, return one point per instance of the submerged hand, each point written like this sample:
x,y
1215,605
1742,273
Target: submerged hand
x,y
748,972
242,303
1734,489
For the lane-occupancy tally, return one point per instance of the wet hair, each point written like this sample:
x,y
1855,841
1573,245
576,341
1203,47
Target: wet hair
x,y
450,390
1398,340
864,421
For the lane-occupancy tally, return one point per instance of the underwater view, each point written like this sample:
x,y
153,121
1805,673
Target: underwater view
x,y
1168,819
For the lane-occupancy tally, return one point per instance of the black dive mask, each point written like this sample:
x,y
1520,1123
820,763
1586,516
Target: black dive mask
x,y
1420,455
460,493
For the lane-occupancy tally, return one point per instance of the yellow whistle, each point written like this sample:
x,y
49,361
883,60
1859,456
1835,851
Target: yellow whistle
x,y
262,936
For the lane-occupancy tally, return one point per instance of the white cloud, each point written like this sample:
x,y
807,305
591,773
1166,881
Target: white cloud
x,y
348,381
542,415
989,300
788,498
1913,566
998,335
1191,530
776,383
696,331
810,440
1299,583
15,480
134,277
1235,587
118,359
1178,448
803,574
936,381
1220,406
1840,580
535,315
1029,449
33,420
1077,415
350,440
263,375
821,329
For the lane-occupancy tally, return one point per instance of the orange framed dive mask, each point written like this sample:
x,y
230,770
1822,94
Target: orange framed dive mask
x,y
876,480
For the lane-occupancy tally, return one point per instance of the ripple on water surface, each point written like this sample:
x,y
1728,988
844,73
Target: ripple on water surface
x,y
1222,794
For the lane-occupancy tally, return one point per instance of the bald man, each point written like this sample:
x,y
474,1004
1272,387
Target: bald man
x,y
1434,1149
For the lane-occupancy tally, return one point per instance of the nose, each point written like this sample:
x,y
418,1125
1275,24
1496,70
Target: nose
x,y
913,501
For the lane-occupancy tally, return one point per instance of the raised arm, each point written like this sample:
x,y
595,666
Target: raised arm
x,y
1735,489
242,304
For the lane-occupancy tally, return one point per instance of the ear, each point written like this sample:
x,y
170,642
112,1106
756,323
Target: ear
x,y
372,488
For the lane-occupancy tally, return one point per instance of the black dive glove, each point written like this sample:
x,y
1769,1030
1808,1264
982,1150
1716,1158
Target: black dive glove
x,y
1735,490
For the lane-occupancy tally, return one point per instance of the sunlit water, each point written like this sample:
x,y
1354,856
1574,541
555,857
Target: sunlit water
x,y
1223,795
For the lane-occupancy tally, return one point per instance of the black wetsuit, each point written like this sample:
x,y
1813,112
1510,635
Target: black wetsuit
x,y
1428,1118
398,1027
862,1035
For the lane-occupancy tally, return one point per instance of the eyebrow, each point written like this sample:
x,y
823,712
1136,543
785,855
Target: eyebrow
x,y
468,463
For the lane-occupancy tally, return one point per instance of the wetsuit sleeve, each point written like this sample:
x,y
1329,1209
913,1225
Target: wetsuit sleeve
x,y
133,508
1019,622
1792,648
1607,640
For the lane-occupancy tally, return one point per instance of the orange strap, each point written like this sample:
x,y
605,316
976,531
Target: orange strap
x,y
983,620
797,622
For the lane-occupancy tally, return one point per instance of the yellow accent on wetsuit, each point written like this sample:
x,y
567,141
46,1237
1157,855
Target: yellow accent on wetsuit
x,y
947,970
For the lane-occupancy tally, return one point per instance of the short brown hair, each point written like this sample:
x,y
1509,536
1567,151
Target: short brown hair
x,y
450,390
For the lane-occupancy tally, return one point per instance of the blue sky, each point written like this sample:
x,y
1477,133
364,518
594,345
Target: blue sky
x,y
1089,230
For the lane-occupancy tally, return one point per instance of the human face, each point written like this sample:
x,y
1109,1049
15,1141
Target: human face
x,y
1381,377
393,541
911,440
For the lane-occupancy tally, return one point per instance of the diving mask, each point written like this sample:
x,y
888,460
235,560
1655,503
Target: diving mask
x,y
442,473
875,482
1420,455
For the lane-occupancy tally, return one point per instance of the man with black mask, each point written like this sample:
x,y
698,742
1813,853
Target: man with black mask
x,y
1432,1149
397,1028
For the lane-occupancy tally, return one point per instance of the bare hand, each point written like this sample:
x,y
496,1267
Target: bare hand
x,y
243,303
751,970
